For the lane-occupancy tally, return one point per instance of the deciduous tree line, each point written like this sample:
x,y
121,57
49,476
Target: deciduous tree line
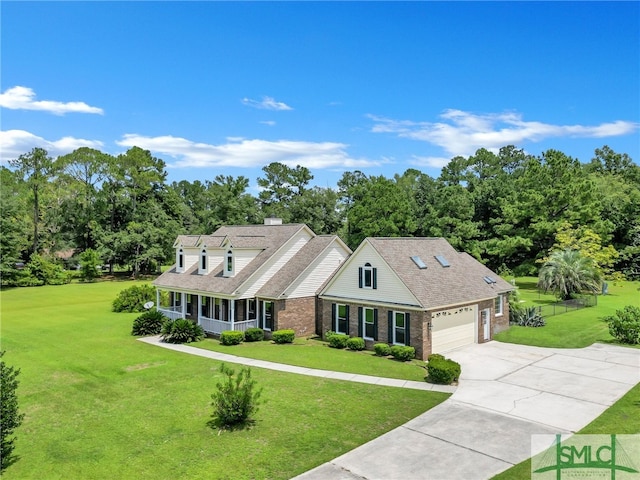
x,y
508,209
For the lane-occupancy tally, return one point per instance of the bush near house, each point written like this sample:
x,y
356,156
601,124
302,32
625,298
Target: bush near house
x,y
355,343
132,299
624,326
283,336
253,334
441,370
403,353
149,323
181,331
382,349
232,337
337,340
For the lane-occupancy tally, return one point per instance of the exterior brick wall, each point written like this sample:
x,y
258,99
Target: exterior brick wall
x,y
417,326
297,314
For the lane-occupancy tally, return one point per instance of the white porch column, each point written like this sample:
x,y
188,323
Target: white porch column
x,y
157,299
183,304
199,308
232,312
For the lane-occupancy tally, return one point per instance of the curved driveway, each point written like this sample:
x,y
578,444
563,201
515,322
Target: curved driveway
x,y
506,394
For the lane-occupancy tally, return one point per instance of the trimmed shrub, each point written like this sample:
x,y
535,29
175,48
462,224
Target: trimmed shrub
x,y
624,326
442,370
235,400
253,334
9,413
40,271
231,337
132,299
89,264
149,323
283,336
403,353
355,343
181,331
338,340
382,349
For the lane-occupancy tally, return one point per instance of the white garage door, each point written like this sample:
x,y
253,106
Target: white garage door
x,y
453,328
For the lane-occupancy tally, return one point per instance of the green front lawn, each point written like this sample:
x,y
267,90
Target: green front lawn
x,y
312,353
575,329
100,404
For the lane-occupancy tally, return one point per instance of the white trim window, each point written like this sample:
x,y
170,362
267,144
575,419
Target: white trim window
x,y
251,309
369,324
267,315
342,319
399,328
203,261
229,264
498,303
180,260
368,276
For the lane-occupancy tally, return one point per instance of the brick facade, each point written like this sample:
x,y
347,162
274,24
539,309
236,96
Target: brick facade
x,y
297,314
419,333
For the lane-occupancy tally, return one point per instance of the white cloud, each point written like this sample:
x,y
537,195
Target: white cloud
x,y
246,153
270,123
432,162
14,143
267,103
462,133
24,98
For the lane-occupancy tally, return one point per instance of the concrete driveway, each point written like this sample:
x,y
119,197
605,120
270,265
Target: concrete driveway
x,y
506,393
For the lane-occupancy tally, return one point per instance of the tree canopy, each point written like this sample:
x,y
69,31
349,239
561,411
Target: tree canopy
x,y
509,209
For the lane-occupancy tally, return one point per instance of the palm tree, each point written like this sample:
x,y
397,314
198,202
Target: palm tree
x,y
567,272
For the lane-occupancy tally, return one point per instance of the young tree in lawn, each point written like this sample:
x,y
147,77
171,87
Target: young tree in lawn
x,y
568,273
10,416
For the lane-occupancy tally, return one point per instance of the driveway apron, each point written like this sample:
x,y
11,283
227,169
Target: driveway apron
x,y
506,394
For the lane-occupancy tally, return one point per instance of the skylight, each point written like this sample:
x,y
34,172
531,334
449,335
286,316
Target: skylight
x,y
489,280
418,261
442,261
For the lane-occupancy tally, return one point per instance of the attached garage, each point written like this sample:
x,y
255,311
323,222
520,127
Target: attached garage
x,y
453,328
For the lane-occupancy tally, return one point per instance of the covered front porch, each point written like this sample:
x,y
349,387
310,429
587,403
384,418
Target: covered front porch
x,y
213,314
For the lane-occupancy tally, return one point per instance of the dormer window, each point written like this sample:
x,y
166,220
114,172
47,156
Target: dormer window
x,y
368,276
180,260
228,264
203,260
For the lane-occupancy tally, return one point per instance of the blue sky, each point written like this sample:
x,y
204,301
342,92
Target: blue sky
x,y
228,87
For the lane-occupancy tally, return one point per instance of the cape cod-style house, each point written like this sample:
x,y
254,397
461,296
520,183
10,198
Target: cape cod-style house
x,y
265,276
415,291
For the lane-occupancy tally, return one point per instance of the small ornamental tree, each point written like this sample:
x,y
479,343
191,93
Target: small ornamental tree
x,y
89,263
568,273
10,418
235,400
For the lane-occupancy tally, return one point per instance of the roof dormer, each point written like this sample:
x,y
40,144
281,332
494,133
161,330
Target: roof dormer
x,y
203,263
179,259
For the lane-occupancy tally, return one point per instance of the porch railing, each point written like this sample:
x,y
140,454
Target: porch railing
x,y
216,327
172,313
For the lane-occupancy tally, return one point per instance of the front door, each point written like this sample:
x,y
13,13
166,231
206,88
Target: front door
x,y
486,322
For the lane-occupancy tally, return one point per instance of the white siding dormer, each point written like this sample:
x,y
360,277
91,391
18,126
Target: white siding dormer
x,y
185,258
229,264
366,277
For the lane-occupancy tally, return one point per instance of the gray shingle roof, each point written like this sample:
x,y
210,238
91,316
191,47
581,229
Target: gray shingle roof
x,y
436,286
268,238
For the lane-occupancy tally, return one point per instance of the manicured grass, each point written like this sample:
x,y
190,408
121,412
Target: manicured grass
x,y
621,418
312,353
576,329
100,404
